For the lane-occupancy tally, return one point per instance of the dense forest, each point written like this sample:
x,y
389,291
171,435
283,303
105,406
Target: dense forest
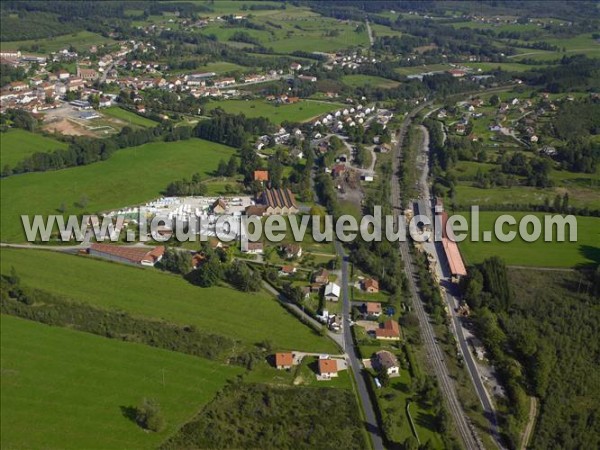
x,y
322,418
541,330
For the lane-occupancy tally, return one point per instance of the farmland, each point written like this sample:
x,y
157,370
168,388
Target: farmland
x,y
251,318
76,388
585,251
106,184
17,144
296,112
129,117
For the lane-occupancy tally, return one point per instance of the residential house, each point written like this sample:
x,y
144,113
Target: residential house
x,y
223,82
295,66
384,360
219,206
75,84
18,86
332,292
372,309
286,271
370,285
63,74
261,175
307,78
338,170
457,73
327,368
389,330
284,360
321,277
253,248
292,251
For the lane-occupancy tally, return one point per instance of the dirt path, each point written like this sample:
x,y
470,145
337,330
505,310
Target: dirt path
x,y
527,433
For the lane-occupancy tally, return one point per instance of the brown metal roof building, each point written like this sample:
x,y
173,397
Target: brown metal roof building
x,y
128,255
279,201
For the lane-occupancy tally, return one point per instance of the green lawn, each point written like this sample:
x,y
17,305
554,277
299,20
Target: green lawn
x,y
63,389
250,318
296,112
129,117
368,80
131,176
539,253
17,144
81,40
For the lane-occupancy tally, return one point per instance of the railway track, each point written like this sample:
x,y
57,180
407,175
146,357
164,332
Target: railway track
x,y
434,352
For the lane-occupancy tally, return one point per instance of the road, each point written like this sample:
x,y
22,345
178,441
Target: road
x,y
434,352
353,357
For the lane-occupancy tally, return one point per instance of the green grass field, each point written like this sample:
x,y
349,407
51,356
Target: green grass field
x,y
422,69
579,195
585,251
507,67
368,80
130,176
296,112
129,117
17,144
250,318
221,67
82,40
63,389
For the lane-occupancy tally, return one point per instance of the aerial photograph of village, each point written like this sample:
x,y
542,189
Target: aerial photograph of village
x,y
294,224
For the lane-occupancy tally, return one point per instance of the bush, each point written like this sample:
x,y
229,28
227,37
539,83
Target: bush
x,y
149,416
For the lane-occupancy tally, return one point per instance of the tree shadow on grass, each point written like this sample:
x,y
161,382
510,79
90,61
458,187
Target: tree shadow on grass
x,y
590,253
130,412
425,420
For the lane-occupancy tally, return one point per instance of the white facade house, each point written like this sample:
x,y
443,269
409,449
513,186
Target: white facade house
x,y
332,292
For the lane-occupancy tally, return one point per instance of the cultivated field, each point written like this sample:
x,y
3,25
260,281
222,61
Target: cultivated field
x,y
63,389
17,144
251,318
295,112
128,117
131,176
585,251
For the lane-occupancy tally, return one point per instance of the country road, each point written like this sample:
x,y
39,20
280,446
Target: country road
x,y
353,356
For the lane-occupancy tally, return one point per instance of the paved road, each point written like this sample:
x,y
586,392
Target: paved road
x,y
434,352
353,357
